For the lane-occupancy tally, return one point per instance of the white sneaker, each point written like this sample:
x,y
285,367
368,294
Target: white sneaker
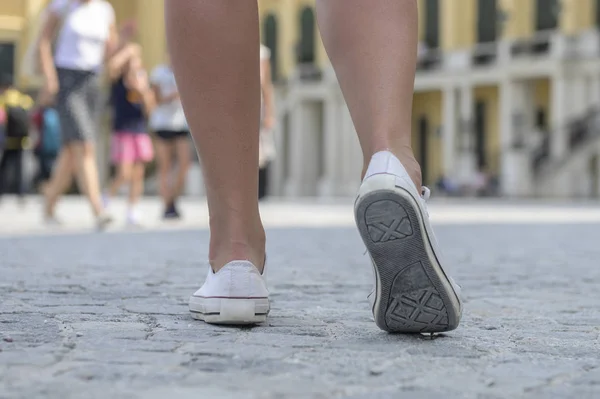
x,y
132,219
236,294
412,291
103,220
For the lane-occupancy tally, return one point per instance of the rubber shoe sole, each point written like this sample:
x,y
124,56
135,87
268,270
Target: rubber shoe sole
x,y
232,311
413,294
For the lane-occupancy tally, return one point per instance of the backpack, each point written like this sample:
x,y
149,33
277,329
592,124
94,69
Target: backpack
x,y
17,122
50,142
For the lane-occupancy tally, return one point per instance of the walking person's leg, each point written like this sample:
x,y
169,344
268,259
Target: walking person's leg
x,y
183,155
164,156
215,54
77,104
85,160
60,181
123,176
122,157
375,66
136,189
142,154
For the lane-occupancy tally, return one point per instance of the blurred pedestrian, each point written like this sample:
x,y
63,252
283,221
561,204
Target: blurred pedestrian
x,y
85,36
46,122
373,48
15,108
267,141
172,139
131,147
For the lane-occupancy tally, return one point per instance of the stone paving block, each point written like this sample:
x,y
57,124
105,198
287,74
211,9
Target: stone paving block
x,y
105,315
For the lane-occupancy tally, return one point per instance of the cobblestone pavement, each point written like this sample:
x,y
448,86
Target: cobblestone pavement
x,y
86,314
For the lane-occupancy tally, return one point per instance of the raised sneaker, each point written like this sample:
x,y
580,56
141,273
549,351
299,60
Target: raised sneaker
x,y
412,291
237,294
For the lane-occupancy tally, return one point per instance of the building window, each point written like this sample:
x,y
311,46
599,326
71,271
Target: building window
x,y
432,24
7,59
270,40
306,50
487,19
547,13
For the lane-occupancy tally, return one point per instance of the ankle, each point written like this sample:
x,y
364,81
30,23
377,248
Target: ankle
x,y
407,158
227,245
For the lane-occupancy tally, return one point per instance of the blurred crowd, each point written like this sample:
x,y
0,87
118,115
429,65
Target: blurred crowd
x,y
81,54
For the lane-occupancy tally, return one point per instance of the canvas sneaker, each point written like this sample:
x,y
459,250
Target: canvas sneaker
x,y
412,291
236,294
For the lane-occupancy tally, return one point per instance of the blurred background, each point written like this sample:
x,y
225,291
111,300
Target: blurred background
x,y
506,96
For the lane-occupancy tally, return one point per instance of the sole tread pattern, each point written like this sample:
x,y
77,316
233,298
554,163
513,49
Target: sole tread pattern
x,y
411,295
414,303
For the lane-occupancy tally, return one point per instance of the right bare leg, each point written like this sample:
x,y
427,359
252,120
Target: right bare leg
x,y
62,177
214,47
85,161
182,151
164,155
136,188
124,175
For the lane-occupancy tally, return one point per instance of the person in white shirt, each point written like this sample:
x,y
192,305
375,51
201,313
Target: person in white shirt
x,y
86,35
173,140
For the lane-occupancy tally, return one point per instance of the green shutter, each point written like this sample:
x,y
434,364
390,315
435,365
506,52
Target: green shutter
x,y
546,15
487,20
270,41
432,24
307,37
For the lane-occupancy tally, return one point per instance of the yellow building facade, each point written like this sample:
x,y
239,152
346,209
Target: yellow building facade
x,y
470,76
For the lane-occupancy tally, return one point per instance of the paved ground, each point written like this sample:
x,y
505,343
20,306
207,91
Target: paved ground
x,y
104,315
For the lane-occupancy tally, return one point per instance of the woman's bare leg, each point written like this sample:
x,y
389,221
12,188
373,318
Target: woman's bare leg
x,y
375,66
372,45
124,175
85,161
214,48
164,157
136,188
182,151
62,177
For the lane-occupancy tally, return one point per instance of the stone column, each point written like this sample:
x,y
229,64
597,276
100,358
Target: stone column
x,y
466,165
516,116
559,138
331,130
295,153
449,132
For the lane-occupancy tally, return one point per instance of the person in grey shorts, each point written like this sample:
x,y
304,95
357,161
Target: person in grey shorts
x,y
372,45
85,29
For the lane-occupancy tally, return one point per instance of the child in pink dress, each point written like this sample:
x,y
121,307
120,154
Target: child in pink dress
x,y
131,146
